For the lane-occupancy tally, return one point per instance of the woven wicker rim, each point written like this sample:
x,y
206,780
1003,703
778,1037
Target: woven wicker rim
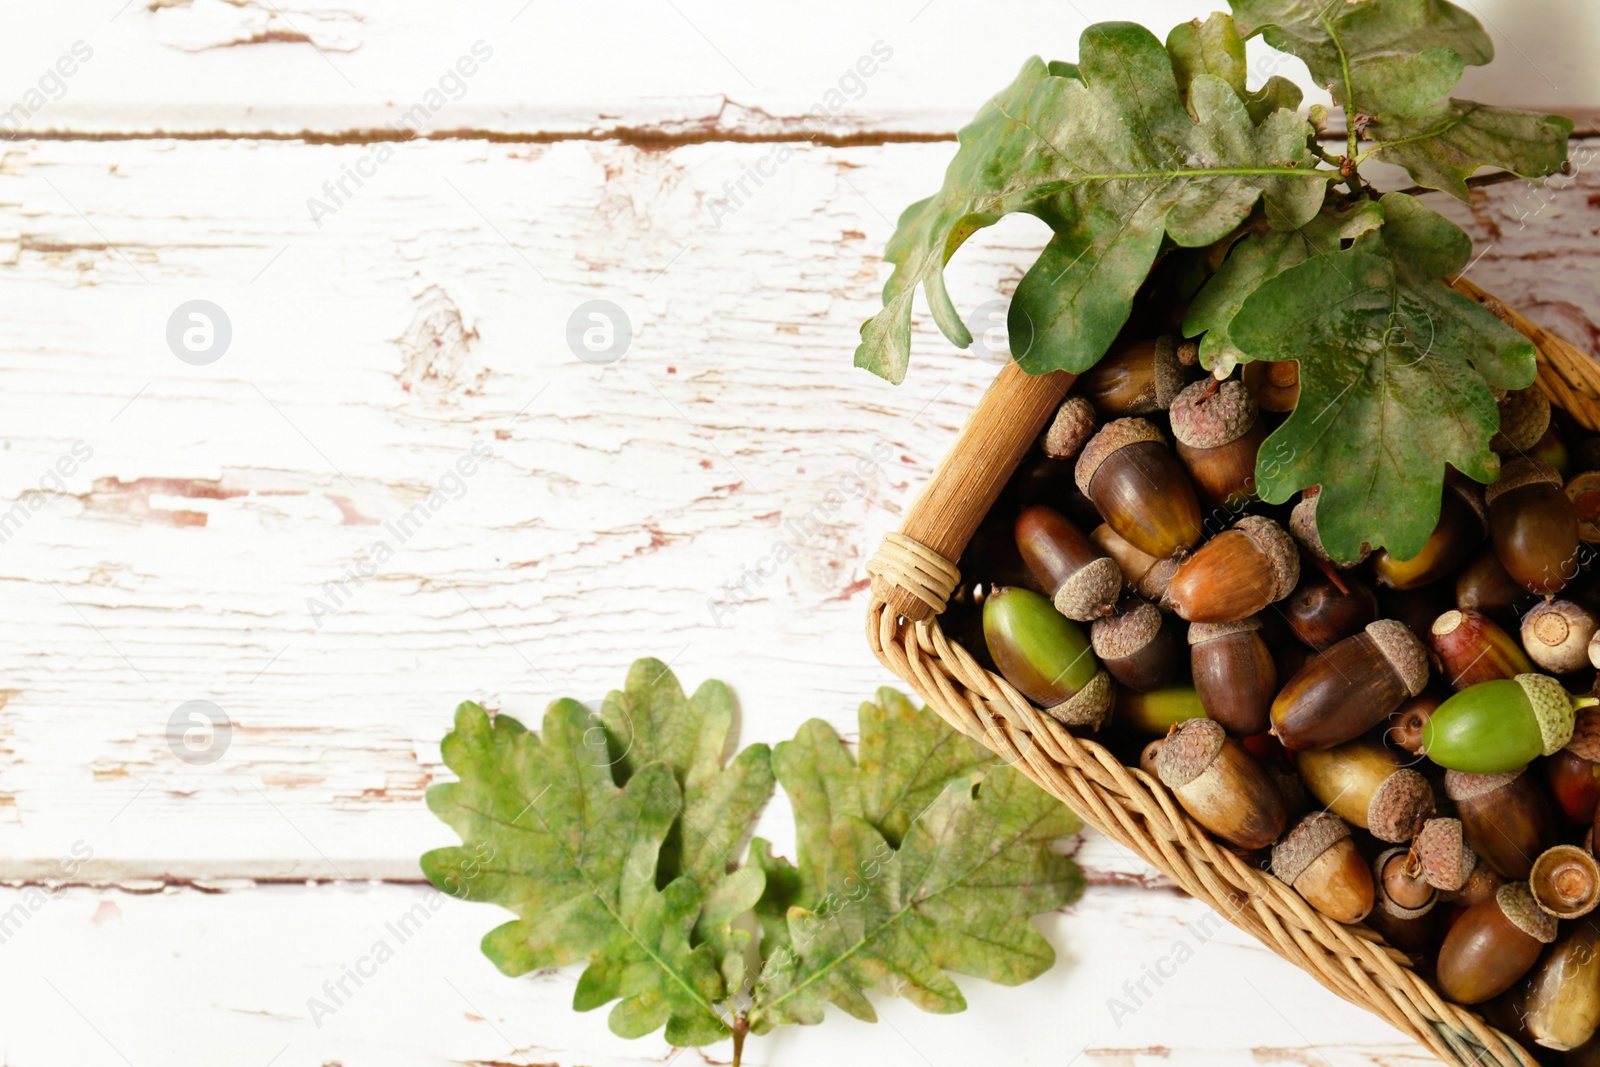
x,y
1139,813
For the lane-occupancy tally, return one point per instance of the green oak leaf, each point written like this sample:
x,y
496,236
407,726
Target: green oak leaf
x,y
1257,257
1215,47
1395,370
1398,56
1061,142
955,896
548,834
1442,146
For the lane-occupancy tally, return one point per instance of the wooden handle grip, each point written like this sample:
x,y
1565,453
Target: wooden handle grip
x,y
1014,410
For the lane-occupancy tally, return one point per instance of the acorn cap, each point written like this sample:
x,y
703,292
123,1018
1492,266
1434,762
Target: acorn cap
x,y
1188,353
1191,747
1403,651
1552,708
1565,881
1201,632
1303,525
1091,591
1152,585
1403,800
1459,785
1130,629
1524,417
1072,426
1517,473
1585,743
1119,433
1384,901
1168,370
1088,706
1443,854
1280,550
1471,494
1310,838
1517,903
1209,414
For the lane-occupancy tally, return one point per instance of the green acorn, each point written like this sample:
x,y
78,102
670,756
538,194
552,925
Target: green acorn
x,y
1046,656
1498,726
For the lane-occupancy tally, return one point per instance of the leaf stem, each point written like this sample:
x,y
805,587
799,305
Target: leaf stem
x,y
1351,134
741,1027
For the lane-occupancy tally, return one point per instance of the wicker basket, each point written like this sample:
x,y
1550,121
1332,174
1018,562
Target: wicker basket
x,y
912,578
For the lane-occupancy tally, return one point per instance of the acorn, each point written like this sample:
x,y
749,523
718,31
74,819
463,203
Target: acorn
x,y
1303,527
1082,581
1235,574
1506,818
1485,586
1319,859
1524,419
1365,784
1140,488
1139,378
1441,856
1220,785
1405,725
1498,726
1320,613
1276,385
1046,656
1481,884
1414,931
1561,1008
1574,772
1473,649
1136,647
1463,524
1534,526
1565,880
1584,492
1234,674
1495,943
1159,710
1148,754
1073,425
1552,449
1142,573
1350,687
1217,432
1403,882
1556,634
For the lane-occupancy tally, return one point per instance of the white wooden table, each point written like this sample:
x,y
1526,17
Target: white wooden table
x,y
189,545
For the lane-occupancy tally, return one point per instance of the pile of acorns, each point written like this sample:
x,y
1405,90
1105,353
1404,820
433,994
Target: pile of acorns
x,y
1403,741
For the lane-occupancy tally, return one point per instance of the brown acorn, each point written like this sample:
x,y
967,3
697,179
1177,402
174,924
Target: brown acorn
x,y
1561,1007
1534,526
1574,772
1524,419
1142,573
1138,378
1485,586
1217,431
1403,882
1506,818
1556,635
1481,884
1495,943
1405,725
1414,931
1319,859
1073,425
1349,688
1441,856
1276,385
1140,488
1220,785
1148,754
1235,574
1565,880
1472,649
1136,646
1320,614
1303,527
1584,492
1234,674
1083,583
1365,784
1462,526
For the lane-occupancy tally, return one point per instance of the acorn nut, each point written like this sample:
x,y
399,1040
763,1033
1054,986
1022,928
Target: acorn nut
x,y
1485,586
1140,488
1505,818
1561,1008
1321,613
1405,725
1574,772
1412,930
1366,784
1472,648
1349,688
1320,860
1235,574
1082,581
1140,378
1136,646
1534,526
1463,523
1493,944
1584,492
1234,674
1556,634
1045,656
1220,785
1158,711
1217,433
1142,573
1498,726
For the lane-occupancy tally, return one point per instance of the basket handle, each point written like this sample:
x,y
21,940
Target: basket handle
x,y
914,571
